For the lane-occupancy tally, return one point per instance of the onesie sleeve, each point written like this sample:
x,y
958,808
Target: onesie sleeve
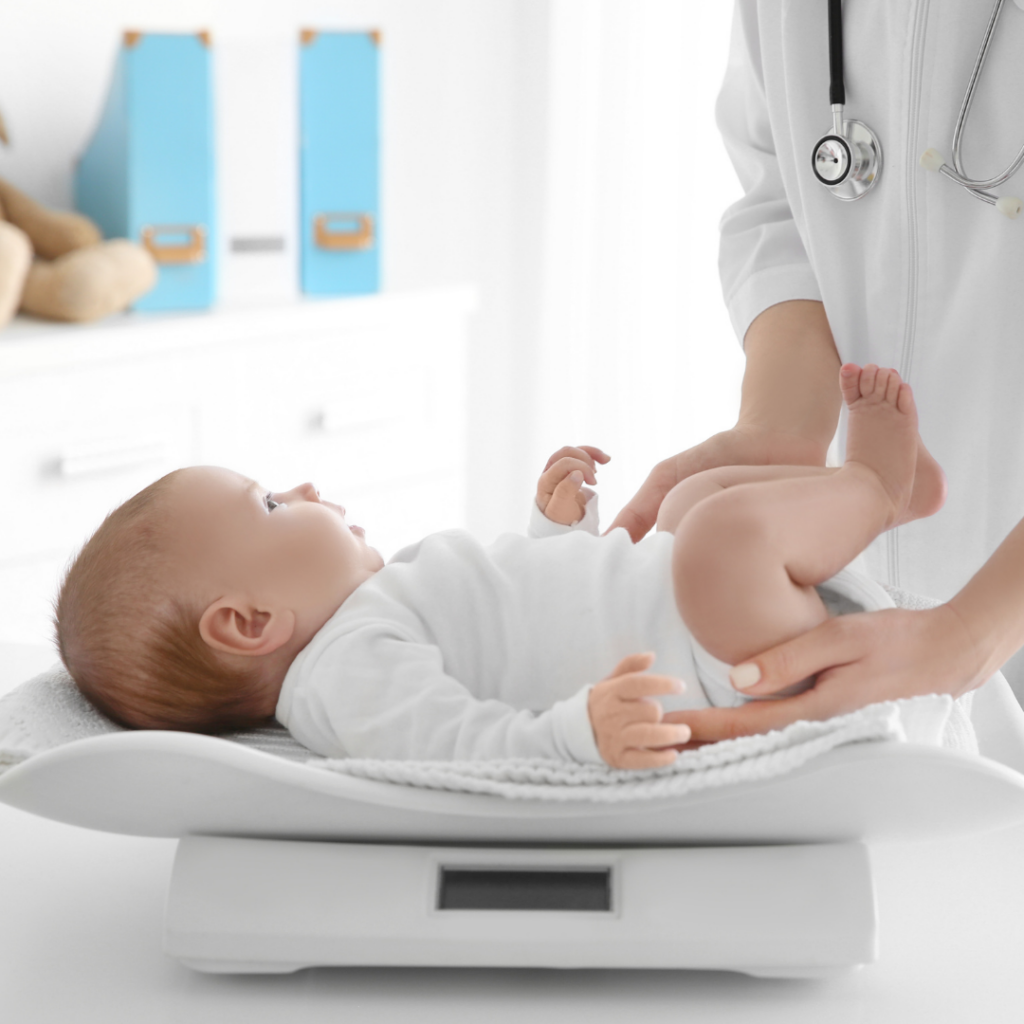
x,y
762,259
378,694
541,526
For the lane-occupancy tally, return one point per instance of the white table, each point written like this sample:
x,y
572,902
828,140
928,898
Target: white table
x,y
81,924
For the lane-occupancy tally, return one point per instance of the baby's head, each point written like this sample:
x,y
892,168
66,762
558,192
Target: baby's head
x,y
186,607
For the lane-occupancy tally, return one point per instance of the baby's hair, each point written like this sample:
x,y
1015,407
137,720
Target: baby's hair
x,y
131,641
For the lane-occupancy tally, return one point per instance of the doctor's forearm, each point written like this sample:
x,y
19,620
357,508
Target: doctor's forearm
x,y
991,605
791,383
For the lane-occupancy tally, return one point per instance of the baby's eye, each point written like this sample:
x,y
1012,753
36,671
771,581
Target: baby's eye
x,y
270,503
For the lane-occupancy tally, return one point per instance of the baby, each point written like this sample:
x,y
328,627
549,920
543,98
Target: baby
x,y
206,603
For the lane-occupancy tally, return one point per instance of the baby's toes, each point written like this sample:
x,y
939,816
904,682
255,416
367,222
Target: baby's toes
x,y
849,382
868,381
892,386
880,392
905,400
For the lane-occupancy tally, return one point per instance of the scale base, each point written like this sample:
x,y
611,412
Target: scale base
x,y
277,906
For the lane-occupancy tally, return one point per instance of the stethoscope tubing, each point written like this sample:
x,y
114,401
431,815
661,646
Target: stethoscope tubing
x,y
836,78
957,173
978,187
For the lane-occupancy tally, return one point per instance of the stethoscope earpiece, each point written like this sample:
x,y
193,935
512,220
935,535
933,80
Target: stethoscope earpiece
x,y
1008,206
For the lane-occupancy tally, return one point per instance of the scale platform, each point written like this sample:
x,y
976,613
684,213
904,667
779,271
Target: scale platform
x,y
276,906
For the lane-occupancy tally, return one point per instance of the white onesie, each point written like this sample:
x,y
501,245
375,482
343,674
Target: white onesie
x,y
457,651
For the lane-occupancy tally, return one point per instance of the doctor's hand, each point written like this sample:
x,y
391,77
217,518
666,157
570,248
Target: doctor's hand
x,y
559,490
741,446
627,724
858,660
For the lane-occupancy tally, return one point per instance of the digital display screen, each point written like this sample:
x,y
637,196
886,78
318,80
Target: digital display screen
x,y
505,889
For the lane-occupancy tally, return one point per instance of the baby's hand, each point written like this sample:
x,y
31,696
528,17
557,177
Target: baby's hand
x,y
558,490
627,725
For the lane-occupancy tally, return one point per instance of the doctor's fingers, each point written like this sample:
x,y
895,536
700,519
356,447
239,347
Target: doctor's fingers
x,y
836,642
638,760
647,736
709,725
640,513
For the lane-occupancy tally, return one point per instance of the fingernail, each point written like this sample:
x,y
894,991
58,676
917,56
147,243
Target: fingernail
x,y
745,676
685,732
680,686
576,476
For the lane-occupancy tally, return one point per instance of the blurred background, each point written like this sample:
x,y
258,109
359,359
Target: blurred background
x,y
558,156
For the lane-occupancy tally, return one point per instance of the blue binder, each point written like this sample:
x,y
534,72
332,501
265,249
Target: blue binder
x,y
148,172
340,209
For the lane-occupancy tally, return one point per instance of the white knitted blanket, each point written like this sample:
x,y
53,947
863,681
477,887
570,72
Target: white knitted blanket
x,y
934,720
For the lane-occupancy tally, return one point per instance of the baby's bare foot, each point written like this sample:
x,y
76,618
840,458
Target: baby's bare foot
x,y
883,432
929,494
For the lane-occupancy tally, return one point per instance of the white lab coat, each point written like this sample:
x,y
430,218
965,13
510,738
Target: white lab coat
x,y
918,274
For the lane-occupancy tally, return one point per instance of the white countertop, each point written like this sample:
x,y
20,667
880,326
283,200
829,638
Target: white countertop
x,y
82,916
30,345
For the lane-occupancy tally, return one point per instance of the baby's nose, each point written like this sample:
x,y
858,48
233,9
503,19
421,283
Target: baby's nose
x,y
308,492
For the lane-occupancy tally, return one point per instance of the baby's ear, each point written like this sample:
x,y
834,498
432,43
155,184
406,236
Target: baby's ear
x,y
235,627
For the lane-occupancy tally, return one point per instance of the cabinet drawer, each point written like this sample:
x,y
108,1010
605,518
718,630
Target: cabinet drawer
x,y
75,448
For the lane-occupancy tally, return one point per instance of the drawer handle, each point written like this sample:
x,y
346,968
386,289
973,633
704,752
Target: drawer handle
x,y
186,245
110,456
355,231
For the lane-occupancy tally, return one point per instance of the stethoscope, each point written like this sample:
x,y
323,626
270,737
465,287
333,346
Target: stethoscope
x,y
848,161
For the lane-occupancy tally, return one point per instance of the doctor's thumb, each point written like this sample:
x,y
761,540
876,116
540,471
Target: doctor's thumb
x,y
638,515
788,666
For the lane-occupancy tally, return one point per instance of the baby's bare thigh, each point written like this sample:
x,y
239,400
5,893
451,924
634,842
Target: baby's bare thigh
x,y
694,489
731,585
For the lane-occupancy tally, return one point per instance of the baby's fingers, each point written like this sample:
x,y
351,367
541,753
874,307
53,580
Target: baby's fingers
x,y
637,685
567,504
584,453
632,663
569,488
595,453
561,468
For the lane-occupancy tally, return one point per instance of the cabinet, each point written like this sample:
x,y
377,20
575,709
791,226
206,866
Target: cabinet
x,y
365,397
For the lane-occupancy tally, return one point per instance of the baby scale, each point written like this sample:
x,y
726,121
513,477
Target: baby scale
x,y
282,866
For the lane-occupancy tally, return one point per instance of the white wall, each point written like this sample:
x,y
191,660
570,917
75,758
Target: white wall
x,y
462,110
636,353
476,161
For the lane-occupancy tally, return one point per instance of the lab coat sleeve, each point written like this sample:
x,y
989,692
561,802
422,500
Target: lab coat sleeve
x,y
377,693
541,526
762,259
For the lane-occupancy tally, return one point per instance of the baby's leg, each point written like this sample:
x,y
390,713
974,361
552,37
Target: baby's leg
x,y
694,489
746,560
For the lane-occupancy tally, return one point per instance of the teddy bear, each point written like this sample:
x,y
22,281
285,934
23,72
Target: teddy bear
x,y
56,265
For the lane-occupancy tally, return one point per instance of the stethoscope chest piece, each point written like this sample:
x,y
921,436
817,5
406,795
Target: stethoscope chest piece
x,y
848,164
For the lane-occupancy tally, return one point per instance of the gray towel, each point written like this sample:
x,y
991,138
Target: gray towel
x,y
49,711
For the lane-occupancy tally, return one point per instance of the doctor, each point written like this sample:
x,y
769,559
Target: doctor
x,y
913,273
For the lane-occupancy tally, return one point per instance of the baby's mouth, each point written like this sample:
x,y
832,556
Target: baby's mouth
x,y
358,531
